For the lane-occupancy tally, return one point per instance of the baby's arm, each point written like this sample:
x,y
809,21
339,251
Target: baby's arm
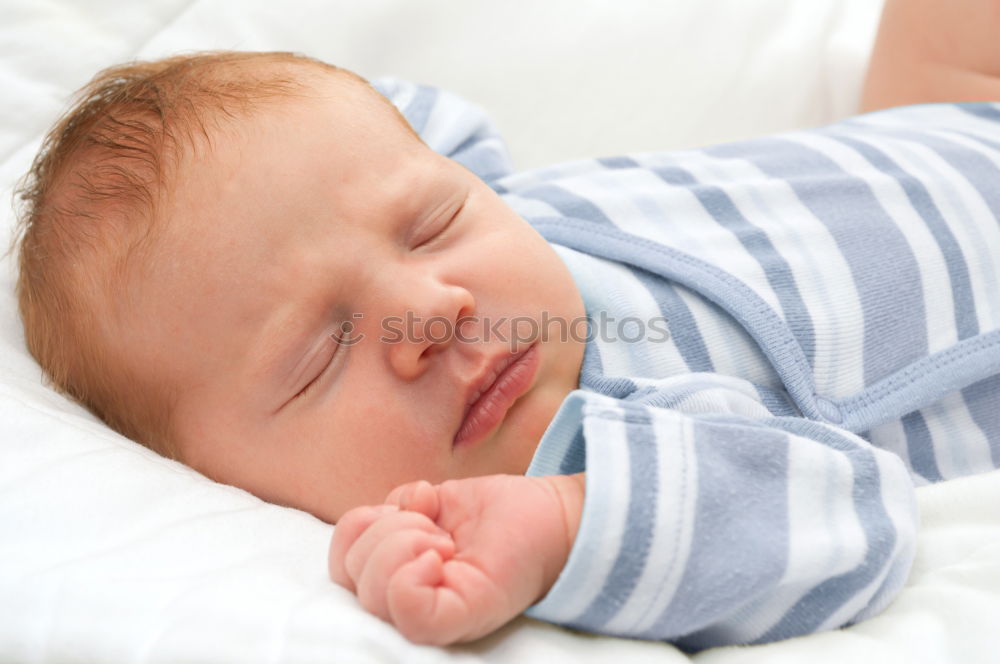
x,y
453,562
933,51
714,522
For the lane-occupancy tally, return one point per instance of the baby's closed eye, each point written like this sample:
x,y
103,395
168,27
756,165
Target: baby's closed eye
x,y
335,344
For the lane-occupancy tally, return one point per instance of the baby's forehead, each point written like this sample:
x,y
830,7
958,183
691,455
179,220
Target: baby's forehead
x,y
274,159
331,102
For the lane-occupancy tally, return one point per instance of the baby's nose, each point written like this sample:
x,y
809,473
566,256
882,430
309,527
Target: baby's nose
x,y
414,342
436,317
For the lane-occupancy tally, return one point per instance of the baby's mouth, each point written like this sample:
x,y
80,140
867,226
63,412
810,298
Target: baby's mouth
x,y
495,391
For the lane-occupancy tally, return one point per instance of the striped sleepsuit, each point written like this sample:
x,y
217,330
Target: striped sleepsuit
x,y
785,336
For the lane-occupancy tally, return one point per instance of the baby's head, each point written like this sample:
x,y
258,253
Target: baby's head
x,y
250,263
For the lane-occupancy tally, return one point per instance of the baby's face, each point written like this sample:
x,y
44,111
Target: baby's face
x,y
326,212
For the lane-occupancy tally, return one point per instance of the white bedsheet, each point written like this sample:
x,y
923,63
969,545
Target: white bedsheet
x,y
112,554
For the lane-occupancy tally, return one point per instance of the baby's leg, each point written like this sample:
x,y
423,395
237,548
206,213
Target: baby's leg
x,y
933,51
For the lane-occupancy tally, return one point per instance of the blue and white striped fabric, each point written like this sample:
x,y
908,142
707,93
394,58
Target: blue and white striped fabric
x,y
833,305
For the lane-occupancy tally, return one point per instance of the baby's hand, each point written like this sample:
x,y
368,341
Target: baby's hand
x,y
453,562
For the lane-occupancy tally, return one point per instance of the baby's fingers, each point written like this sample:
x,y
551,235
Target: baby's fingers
x,y
348,529
391,522
420,496
438,602
392,553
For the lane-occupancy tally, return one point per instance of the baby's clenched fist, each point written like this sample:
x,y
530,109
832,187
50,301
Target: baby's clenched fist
x,y
453,562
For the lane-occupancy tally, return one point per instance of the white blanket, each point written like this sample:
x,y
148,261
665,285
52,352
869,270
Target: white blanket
x,y
111,554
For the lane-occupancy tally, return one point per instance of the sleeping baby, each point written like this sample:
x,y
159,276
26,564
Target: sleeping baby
x,y
682,396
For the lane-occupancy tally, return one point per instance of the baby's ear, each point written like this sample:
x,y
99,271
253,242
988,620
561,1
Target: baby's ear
x,y
420,496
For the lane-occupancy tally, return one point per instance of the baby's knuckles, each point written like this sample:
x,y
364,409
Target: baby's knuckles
x,y
395,550
381,534
349,528
447,603
427,610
